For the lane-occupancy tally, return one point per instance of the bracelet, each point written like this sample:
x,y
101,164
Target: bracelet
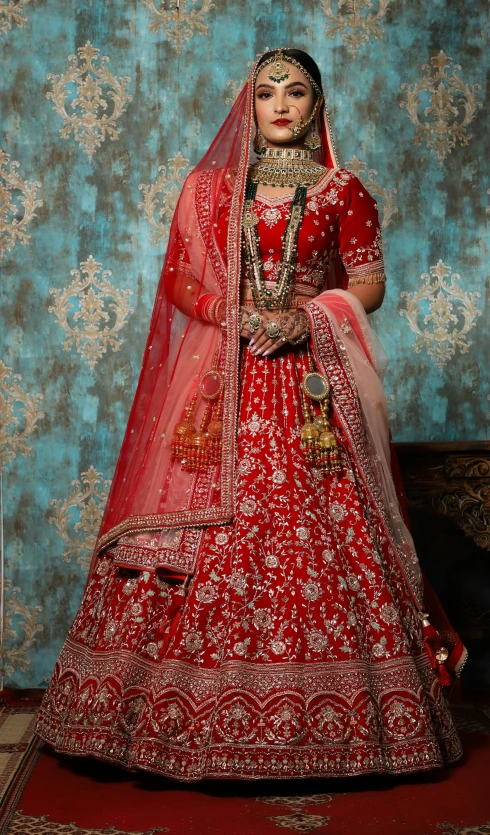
x,y
370,278
207,308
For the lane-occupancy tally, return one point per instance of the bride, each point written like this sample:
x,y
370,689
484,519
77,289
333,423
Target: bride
x,y
255,607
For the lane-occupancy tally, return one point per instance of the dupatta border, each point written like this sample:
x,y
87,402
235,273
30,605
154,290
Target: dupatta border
x,y
332,360
153,522
203,203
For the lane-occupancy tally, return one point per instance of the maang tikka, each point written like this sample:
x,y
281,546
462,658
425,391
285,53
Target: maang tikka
x,y
279,69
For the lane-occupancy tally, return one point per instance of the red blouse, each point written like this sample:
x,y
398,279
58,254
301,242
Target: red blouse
x,y
339,243
341,219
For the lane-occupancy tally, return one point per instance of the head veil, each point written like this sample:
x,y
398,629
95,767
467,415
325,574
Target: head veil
x,y
150,491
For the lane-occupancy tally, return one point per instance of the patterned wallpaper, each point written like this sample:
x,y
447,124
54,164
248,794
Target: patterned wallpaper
x,y
104,108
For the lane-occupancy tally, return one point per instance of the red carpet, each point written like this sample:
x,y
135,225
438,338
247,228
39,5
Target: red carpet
x,y
69,796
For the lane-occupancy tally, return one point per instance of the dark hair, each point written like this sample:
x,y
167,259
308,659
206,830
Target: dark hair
x,y
302,58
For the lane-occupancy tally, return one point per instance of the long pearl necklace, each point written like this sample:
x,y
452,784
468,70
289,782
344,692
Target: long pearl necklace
x,y
262,296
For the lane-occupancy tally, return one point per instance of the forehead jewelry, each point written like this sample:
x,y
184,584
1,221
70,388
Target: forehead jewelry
x,y
279,69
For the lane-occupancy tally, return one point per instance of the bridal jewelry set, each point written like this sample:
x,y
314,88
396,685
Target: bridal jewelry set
x,y
286,168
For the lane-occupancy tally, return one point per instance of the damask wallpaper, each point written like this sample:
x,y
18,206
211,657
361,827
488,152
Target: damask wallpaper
x,y
105,106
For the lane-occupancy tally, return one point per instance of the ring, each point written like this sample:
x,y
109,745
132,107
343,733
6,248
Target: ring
x,y
273,330
254,322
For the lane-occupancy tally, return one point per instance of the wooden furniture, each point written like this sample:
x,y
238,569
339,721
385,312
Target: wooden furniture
x,y
447,487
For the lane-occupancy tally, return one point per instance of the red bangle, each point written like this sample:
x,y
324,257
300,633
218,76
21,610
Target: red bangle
x,y
207,308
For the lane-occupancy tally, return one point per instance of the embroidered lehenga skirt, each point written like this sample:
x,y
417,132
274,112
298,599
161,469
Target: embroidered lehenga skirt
x,y
291,656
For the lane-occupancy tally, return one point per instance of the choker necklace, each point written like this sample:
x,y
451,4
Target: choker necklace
x,y
286,167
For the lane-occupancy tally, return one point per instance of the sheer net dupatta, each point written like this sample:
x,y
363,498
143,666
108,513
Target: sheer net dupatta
x,y
152,491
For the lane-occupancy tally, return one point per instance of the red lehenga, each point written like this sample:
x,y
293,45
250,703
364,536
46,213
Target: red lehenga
x,y
297,649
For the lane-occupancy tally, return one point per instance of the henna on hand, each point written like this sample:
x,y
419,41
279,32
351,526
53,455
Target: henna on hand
x,y
294,326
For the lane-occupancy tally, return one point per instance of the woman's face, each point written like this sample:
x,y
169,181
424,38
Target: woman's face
x,y
277,104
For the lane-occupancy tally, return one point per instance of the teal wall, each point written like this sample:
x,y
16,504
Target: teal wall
x,y
62,421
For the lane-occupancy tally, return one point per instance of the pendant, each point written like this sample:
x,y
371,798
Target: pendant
x,y
250,219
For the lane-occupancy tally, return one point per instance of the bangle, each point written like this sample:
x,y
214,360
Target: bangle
x,y
207,308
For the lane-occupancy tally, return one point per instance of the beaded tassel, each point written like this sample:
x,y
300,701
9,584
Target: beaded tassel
x,y
198,449
318,441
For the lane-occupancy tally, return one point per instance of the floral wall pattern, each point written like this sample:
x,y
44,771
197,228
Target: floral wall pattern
x,y
105,107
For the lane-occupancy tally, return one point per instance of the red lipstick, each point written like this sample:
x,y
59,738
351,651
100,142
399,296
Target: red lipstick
x,y
282,123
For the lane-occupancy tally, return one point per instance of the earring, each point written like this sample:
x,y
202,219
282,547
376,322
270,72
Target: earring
x,y
312,139
260,142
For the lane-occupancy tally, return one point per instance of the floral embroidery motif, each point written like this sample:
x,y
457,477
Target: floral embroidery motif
x,y
91,123
18,204
21,629
355,22
386,195
299,820
17,407
11,15
88,503
168,184
33,825
179,22
271,216
92,338
225,678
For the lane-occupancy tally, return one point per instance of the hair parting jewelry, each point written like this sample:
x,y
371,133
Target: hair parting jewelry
x,y
278,71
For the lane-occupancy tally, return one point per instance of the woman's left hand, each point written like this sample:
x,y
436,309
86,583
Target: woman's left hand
x,y
278,328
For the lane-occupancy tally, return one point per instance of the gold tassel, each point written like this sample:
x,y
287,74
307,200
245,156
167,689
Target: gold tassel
x,y
318,440
198,449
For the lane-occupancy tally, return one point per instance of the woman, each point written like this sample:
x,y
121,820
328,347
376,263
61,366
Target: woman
x,y
254,606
